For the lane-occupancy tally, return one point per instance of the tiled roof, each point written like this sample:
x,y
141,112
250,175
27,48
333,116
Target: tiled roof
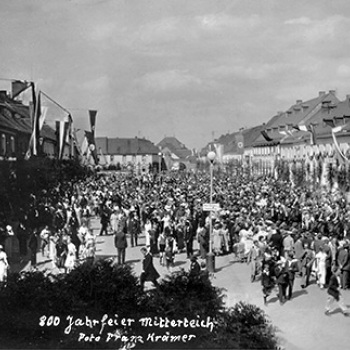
x,y
251,134
230,140
175,146
16,116
125,146
301,113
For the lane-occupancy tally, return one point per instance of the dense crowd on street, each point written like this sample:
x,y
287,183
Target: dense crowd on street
x,y
283,232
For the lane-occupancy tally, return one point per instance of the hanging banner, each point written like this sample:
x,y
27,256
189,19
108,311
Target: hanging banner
x,y
92,115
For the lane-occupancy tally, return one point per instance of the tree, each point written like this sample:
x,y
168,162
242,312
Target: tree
x,y
38,310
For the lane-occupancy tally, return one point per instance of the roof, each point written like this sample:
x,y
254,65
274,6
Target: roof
x,y
125,146
231,140
301,113
15,116
175,146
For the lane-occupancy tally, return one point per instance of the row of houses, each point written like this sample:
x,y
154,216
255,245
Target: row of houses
x,y
16,131
142,154
306,131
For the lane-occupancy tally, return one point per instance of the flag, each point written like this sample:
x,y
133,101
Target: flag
x,y
77,150
63,136
311,130
267,137
36,123
35,112
335,130
300,127
329,122
103,158
91,147
58,127
239,140
70,136
18,86
341,155
92,115
219,150
282,130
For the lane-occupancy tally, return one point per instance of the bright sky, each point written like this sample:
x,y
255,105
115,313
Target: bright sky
x,y
184,68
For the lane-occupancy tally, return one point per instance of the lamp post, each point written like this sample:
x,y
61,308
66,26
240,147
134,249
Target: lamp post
x,y
160,162
210,256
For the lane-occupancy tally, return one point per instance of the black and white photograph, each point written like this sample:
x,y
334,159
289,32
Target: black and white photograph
x,y
175,174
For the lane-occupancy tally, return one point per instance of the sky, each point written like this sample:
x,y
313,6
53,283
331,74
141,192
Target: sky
x,y
193,69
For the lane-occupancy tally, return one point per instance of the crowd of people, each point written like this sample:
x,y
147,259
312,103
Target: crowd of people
x,y
281,231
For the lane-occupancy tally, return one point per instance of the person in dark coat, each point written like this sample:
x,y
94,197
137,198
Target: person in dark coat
x,y
189,236
105,216
282,278
149,272
292,267
341,261
134,229
306,264
346,268
267,279
334,295
276,241
121,244
195,268
33,246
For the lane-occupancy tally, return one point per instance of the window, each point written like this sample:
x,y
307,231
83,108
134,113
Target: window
x,y
12,145
3,145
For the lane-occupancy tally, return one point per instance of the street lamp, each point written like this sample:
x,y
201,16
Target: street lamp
x,y
211,257
160,161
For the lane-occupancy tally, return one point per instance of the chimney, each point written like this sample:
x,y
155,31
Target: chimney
x,y
279,113
321,93
332,92
299,102
348,97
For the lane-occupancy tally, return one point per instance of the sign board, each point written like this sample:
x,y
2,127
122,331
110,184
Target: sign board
x,y
211,207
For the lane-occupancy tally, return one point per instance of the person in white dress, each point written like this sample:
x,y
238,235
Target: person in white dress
x,y
3,265
321,258
71,255
148,228
53,238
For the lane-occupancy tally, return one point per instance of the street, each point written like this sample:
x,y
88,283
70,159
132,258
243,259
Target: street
x,y
301,322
